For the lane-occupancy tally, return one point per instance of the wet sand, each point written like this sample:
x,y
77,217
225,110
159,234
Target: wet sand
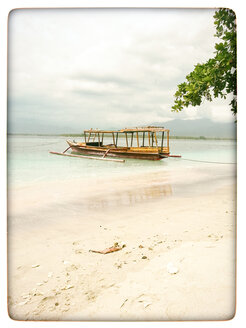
x,y
178,263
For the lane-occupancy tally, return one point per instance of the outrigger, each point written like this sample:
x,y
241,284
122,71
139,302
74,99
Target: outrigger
x,y
149,143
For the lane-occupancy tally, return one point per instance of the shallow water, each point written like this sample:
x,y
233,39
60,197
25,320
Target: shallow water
x,y
44,187
29,161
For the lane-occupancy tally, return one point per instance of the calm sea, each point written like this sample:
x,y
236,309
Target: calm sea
x,y
48,188
29,161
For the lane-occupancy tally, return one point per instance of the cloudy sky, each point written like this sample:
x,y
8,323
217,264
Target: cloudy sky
x,y
71,69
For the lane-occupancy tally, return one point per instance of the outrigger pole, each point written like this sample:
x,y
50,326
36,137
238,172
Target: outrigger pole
x,y
90,157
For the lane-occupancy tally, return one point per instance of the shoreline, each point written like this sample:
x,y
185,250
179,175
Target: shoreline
x,y
53,276
102,192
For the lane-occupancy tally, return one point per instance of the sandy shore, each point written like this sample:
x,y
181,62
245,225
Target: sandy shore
x,y
178,263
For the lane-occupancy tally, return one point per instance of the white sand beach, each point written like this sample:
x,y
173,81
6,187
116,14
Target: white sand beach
x,y
178,262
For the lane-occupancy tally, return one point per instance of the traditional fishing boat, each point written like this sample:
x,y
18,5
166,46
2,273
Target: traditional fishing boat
x,y
149,143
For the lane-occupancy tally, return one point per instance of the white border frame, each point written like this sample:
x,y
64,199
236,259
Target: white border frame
x,y
238,7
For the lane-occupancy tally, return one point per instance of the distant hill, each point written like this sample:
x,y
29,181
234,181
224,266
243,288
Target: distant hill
x,y
200,128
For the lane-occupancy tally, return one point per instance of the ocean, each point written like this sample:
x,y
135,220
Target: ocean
x,y
42,186
30,162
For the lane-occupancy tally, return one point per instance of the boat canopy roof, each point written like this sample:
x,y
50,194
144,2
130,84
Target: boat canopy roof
x,y
137,129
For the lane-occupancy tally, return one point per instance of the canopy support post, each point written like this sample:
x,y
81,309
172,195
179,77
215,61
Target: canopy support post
x,y
126,140
132,139
168,141
162,140
156,140
137,140
113,139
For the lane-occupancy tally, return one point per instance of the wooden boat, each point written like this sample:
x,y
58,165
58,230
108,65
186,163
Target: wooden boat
x,y
149,143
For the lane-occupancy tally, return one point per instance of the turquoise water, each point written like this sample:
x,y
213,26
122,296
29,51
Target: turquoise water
x,y
45,188
29,161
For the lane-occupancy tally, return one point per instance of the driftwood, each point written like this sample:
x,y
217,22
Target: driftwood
x,y
111,249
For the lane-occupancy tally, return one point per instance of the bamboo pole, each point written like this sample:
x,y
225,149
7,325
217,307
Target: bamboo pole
x,y
89,136
113,139
156,140
106,153
66,149
116,139
137,140
126,140
102,138
162,139
85,137
143,138
132,139
89,157
168,140
149,138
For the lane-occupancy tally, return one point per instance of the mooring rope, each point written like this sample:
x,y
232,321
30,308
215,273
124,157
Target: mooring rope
x,y
196,160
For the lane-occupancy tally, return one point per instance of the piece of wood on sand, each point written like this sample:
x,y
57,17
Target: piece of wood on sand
x,y
111,249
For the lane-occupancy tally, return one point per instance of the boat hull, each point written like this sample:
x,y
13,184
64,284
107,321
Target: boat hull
x,y
121,152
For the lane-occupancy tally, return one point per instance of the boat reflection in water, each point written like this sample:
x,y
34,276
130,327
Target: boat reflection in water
x,y
130,197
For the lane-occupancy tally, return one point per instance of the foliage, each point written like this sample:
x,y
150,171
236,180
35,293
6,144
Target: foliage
x,y
218,76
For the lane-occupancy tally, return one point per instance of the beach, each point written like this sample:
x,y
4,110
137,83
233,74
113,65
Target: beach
x,y
178,259
176,219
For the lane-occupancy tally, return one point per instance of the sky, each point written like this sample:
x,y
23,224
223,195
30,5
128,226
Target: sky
x,y
75,69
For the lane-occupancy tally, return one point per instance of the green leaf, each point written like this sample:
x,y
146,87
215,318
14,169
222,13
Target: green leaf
x,y
214,75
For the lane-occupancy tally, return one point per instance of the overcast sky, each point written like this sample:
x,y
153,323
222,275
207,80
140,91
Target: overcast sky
x,y
72,69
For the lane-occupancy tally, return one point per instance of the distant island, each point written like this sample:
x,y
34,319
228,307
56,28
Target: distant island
x,y
203,129
81,135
